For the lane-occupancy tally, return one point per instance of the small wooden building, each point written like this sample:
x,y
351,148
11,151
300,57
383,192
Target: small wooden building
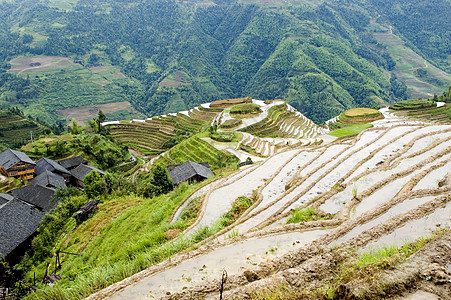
x,y
16,164
189,171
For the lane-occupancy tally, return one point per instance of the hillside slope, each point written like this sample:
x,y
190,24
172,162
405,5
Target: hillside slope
x,y
322,57
396,195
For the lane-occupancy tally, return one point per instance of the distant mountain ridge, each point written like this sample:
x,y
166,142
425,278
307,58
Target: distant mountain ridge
x,y
321,57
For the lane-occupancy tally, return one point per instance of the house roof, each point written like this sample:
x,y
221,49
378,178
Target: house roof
x,y
187,170
49,179
18,221
40,196
72,162
81,171
5,198
51,165
10,158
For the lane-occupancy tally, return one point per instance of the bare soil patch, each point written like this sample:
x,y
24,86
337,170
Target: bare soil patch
x,y
85,113
229,102
118,75
170,83
22,64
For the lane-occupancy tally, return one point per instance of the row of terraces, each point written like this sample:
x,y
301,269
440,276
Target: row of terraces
x,y
387,186
151,136
284,121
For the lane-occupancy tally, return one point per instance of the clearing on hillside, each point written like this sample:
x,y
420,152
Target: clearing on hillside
x,y
85,113
24,64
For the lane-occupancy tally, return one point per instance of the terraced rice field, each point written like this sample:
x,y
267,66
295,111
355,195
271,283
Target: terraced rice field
x,y
277,127
389,185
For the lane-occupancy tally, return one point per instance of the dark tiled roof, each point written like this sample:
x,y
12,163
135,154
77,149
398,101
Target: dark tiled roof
x,y
187,170
41,197
4,198
18,221
45,163
72,162
10,158
82,170
49,179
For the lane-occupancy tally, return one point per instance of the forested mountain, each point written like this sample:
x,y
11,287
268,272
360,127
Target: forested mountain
x,y
321,56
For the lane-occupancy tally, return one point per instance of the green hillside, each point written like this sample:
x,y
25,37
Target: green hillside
x,y
323,57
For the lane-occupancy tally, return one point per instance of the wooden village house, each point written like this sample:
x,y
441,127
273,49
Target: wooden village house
x,y
16,164
189,171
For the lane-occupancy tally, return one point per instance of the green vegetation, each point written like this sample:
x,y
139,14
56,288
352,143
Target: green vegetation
x,y
9,184
305,215
438,114
197,150
427,110
17,130
245,108
350,130
270,126
161,56
159,134
224,136
413,104
231,123
113,251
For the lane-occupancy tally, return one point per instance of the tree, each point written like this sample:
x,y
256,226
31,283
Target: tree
x,y
161,180
74,128
101,116
94,185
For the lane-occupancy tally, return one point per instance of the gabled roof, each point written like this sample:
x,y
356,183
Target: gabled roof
x,y
18,221
81,171
40,196
10,158
72,162
187,170
51,165
49,179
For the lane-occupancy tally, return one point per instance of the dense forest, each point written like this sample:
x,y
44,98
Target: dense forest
x,y
322,59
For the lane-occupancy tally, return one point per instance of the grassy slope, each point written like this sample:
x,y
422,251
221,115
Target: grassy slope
x,y
407,64
16,130
353,129
110,251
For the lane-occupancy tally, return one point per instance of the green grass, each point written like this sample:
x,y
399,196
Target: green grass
x,y
361,267
109,250
126,235
350,130
303,215
245,108
197,150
